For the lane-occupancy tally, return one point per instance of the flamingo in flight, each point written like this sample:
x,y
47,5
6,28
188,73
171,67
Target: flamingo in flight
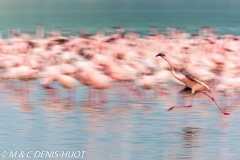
x,y
192,84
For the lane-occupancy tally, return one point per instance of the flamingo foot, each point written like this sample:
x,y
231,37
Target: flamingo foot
x,y
163,93
170,108
226,113
179,107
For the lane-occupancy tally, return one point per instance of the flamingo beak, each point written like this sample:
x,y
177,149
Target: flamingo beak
x,y
160,54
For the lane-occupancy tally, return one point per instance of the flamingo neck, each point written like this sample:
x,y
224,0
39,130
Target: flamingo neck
x,y
177,76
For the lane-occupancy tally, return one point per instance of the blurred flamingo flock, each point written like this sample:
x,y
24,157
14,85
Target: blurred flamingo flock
x,y
123,58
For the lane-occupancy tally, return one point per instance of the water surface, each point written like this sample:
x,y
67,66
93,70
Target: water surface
x,y
123,128
138,15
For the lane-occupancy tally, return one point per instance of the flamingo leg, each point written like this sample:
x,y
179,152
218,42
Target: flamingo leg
x,y
158,90
127,95
26,92
21,88
52,90
122,91
69,95
134,89
138,91
225,113
102,97
50,93
182,106
90,94
74,94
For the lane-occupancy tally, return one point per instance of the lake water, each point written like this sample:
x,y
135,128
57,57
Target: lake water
x,y
124,128
131,14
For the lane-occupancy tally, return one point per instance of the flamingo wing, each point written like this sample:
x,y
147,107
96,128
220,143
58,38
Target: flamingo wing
x,y
201,85
191,78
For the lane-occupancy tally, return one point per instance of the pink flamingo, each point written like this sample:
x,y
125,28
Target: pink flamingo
x,y
192,84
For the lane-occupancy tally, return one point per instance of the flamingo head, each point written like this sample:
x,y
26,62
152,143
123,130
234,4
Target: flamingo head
x,y
160,54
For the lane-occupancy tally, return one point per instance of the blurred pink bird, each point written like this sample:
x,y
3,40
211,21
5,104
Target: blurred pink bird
x,y
192,84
